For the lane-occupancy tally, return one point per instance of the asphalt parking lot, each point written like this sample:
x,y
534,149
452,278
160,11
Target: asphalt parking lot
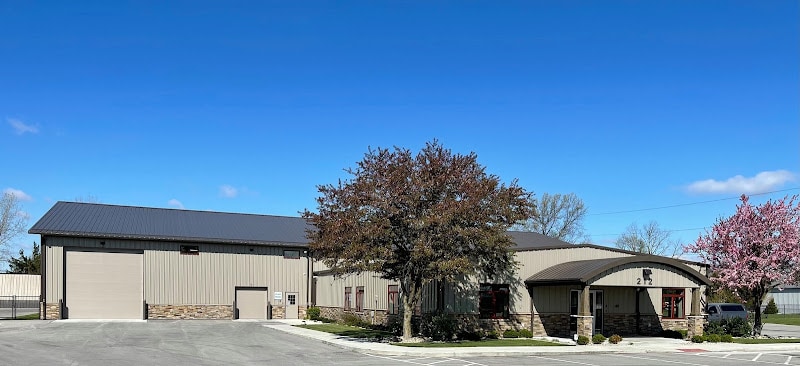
x,y
648,359
224,342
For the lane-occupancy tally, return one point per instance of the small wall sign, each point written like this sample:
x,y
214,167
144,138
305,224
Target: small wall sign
x,y
278,296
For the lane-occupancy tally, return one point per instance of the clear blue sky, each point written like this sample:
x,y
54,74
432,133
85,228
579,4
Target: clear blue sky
x,y
247,106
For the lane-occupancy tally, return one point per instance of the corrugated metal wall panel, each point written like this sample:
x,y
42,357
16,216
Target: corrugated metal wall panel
x,y
20,285
330,290
54,271
631,275
205,279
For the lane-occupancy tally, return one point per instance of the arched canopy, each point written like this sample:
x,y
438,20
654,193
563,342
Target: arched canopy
x,y
586,271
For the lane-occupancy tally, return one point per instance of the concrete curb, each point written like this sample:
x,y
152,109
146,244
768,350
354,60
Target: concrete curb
x,y
658,345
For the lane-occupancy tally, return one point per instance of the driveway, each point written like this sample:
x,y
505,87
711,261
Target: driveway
x,y
193,342
781,330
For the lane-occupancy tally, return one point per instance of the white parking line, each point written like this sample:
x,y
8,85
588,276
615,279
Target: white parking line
x,y
788,359
565,361
413,361
660,360
757,357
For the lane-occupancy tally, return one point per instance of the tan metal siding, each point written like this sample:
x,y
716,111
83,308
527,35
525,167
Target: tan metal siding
x,y
330,290
618,300
552,299
54,272
208,278
631,275
20,285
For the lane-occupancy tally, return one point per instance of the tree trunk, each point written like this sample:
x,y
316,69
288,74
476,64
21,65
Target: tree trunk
x,y
408,312
410,300
757,324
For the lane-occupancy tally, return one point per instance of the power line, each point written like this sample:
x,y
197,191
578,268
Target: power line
x,y
688,204
668,231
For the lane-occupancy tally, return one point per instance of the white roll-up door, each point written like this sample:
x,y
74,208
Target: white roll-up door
x,y
251,303
103,285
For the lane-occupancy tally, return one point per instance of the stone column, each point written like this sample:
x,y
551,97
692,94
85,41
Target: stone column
x,y
585,318
695,321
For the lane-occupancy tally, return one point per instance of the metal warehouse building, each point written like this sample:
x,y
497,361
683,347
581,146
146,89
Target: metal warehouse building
x,y
120,262
110,262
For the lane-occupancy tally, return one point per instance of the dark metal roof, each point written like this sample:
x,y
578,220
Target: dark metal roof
x,y
530,240
145,223
580,272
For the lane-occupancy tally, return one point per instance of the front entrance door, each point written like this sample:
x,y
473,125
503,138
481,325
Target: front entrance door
x,y
291,305
596,307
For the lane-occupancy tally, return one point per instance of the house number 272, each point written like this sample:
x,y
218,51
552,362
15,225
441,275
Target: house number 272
x,y
647,281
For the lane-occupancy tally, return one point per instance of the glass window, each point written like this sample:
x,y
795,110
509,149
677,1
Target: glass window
x,y
673,306
347,292
493,301
291,254
394,296
360,298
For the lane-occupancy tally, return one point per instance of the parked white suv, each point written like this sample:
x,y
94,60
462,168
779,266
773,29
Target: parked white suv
x,y
717,311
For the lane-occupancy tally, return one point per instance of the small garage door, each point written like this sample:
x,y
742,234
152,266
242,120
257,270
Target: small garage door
x,y
251,303
103,285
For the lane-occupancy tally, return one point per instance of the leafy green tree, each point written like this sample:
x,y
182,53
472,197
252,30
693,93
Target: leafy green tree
x,y
414,219
772,307
24,264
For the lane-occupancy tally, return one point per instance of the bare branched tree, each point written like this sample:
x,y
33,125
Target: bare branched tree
x,y
12,223
648,239
557,216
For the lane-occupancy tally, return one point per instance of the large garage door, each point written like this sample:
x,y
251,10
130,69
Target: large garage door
x,y
251,303
103,285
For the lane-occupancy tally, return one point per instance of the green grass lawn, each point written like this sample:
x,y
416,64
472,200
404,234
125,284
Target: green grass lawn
x,y
484,343
355,332
787,319
764,340
347,331
34,316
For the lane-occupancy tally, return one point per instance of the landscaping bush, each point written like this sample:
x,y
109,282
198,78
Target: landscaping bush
x,y
353,320
614,339
771,308
313,313
325,320
698,339
669,333
738,327
492,334
510,333
469,335
439,326
583,340
684,333
727,338
714,338
524,333
395,325
598,339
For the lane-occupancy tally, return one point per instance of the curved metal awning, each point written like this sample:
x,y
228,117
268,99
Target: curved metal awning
x,y
582,272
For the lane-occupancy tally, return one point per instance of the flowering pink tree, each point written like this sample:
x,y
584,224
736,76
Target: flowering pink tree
x,y
755,250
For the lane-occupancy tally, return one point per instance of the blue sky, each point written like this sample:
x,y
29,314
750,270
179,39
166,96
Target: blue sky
x,y
247,106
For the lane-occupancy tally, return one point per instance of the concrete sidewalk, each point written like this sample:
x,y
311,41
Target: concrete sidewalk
x,y
628,345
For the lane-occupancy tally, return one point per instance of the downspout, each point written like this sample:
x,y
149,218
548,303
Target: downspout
x,y
308,278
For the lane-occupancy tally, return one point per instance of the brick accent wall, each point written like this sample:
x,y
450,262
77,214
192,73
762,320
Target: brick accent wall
x,y
189,311
51,311
301,312
585,325
622,324
650,325
551,325
278,312
675,324
695,325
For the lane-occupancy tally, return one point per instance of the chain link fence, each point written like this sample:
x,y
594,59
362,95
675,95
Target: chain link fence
x,y
14,307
